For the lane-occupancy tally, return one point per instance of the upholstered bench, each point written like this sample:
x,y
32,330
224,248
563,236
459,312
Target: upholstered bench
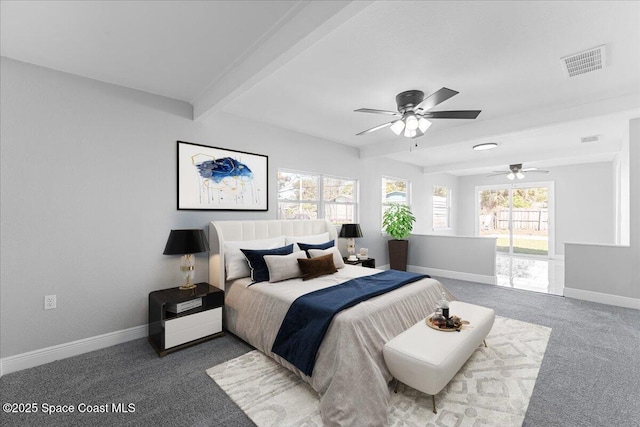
x,y
426,359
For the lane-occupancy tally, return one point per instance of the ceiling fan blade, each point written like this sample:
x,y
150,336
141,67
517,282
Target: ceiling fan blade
x,y
375,128
534,171
371,110
436,98
499,173
463,114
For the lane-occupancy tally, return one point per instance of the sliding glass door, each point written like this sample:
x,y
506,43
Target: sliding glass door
x,y
518,216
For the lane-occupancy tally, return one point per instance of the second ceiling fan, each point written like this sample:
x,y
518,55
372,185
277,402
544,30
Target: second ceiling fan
x,y
516,171
411,117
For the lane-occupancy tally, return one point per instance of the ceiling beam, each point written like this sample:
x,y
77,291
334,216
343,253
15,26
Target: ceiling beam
x,y
307,22
483,130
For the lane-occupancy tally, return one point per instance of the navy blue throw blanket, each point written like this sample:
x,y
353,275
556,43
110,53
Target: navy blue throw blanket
x,y
308,318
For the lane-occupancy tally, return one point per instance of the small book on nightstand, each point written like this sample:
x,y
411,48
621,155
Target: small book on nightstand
x,y
184,306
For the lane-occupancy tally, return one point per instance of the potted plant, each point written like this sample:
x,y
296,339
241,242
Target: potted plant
x,y
398,223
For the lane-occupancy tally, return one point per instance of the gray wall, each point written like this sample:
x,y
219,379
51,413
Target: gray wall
x,y
613,270
471,258
88,184
585,202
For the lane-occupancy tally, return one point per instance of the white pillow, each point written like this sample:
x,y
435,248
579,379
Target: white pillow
x,y
283,267
337,256
311,239
235,262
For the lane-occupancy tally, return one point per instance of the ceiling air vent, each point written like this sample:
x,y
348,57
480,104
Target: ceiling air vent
x,y
584,62
589,139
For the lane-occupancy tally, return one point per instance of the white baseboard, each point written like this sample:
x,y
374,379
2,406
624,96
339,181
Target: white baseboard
x,y
74,348
609,299
470,277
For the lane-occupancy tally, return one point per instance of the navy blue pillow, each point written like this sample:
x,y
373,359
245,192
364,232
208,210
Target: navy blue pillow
x,y
305,247
259,270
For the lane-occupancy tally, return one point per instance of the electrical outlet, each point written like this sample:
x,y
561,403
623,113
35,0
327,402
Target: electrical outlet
x,y
49,302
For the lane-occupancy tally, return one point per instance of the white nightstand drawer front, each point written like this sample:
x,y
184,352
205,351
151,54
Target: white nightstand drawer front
x,y
188,328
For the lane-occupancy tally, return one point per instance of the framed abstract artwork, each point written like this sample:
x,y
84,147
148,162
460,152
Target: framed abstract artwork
x,y
213,178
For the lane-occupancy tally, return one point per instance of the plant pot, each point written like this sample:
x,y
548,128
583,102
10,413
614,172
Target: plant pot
x,y
398,253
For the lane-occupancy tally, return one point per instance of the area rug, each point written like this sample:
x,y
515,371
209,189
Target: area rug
x,y
493,388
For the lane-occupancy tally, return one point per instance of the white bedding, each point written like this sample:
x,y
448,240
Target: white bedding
x,y
349,374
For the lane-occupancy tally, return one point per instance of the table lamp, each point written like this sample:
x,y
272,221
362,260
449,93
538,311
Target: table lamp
x,y
351,231
186,243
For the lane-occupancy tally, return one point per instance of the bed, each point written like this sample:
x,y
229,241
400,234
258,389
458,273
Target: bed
x,y
349,374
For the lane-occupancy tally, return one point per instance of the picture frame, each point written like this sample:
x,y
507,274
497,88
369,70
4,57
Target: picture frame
x,y
215,178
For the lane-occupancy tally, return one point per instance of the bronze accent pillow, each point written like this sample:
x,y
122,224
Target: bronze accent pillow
x,y
316,267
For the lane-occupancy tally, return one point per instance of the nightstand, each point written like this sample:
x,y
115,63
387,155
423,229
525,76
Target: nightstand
x,y
179,319
369,262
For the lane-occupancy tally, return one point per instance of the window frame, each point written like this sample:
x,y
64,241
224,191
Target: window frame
x,y
299,201
384,204
321,203
354,203
447,208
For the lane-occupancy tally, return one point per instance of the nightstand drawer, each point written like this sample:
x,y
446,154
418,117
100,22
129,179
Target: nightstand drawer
x,y
188,328
170,331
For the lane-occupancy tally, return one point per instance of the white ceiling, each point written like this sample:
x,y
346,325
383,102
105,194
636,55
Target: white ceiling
x,y
306,66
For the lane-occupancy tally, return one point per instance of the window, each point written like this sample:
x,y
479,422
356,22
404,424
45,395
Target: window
x,y
441,207
394,190
298,195
303,195
339,198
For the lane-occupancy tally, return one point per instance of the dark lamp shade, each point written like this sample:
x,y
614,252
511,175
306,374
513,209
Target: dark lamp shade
x,y
182,242
350,230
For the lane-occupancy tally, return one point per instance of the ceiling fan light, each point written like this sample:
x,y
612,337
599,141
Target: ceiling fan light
x,y
423,124
411,122
409,133
520,175
397,127
511,176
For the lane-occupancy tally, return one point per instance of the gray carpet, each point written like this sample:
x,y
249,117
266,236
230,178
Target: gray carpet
x,y
590,375
169,391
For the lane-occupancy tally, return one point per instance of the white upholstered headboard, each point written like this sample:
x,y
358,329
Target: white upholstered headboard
x,y
221,231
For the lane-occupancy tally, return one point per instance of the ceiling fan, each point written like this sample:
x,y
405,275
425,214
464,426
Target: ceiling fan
x,y
516,171
411,117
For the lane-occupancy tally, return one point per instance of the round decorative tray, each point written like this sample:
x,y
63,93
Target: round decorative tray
x,y
454,329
